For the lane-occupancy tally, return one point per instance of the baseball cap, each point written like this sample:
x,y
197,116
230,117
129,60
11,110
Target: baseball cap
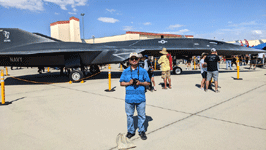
x,y
134,54
213,50
146,56
140,56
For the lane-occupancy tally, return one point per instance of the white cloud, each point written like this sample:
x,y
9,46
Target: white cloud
x,y
108,20
178,32
172,27
64,3
244,24
111,10
33,5
72,13
233,34
258,32
128,28
56,13
147,23
37,5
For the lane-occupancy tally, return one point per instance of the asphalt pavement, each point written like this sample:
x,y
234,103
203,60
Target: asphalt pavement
x,y
51,113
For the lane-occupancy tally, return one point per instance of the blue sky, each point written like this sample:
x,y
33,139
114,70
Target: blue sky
x,y
226,20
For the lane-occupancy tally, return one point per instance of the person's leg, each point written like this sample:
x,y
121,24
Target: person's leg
x,y
202,83
164,79
226,62
230,64
141,120
169,78
165,83
141,116
152,80
209,76
169,81
216,85
130,108
207,85
215,78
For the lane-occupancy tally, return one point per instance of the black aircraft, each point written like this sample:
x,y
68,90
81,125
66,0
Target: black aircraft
x,y
25,49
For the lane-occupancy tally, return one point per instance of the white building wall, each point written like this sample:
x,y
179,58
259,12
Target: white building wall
x,y
74,30
54,31
64,33
124,37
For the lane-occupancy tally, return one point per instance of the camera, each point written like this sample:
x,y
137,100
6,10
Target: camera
x,y
135,82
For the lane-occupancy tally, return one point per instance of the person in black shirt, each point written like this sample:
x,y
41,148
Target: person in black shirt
x,y
212,70
253,60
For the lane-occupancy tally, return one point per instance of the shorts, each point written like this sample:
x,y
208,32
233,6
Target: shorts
x,y
253,61
151,74
166,74
204,75
212,74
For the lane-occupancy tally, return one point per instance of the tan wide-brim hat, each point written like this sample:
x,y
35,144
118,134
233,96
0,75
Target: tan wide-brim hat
x,y
163,51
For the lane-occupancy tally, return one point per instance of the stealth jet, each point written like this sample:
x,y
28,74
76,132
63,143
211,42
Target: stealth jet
x,y
25,49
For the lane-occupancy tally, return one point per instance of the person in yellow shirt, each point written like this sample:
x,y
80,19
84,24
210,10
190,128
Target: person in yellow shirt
x,y
165,68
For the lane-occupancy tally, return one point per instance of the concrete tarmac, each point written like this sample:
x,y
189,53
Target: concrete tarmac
x,y
81,116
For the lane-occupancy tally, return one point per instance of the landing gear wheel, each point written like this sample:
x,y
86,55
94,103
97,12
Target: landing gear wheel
x,y
94,69
76,75
177,70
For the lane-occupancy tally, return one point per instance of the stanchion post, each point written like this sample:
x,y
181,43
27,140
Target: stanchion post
x,y
194,63
237,67
109,79
2,87
48,70
155,64
121,67
6,71
109,76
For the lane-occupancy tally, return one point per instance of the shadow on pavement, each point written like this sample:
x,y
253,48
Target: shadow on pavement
x,y
55,77
146,123
8,103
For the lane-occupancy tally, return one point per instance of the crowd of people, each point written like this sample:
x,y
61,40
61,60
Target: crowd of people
x,y
139,76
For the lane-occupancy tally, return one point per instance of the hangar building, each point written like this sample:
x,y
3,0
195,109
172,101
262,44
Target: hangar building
x,y
69,31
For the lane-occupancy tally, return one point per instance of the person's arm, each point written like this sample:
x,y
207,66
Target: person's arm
x,y
126,83
123,80
143,83
146,79
218,59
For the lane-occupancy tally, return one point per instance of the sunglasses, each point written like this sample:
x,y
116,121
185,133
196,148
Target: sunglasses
x,y
134,58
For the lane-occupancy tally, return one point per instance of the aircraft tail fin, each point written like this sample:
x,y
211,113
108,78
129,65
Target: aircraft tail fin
x,y
261,42
241,43
246,42
13,37
83,41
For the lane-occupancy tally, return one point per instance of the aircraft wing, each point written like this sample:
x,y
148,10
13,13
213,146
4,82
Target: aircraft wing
x,y
184,46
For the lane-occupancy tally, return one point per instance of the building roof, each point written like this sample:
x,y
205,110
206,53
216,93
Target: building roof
x,y
64,22
157,34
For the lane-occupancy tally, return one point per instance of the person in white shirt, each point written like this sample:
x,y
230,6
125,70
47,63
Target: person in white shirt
x,y
203,70
261,57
